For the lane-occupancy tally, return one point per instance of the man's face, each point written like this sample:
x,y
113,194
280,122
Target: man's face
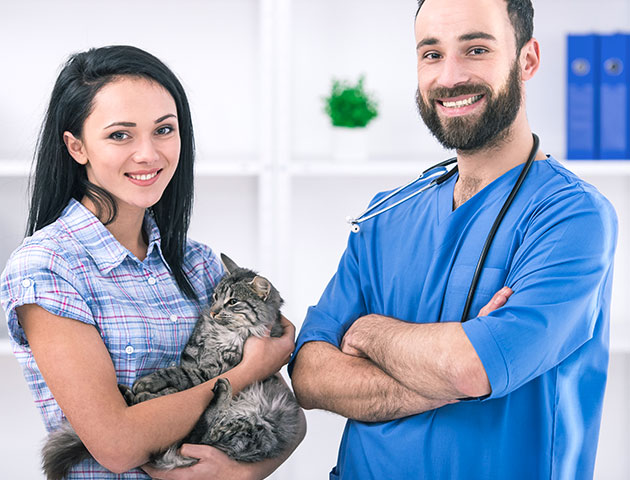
x,y
469,76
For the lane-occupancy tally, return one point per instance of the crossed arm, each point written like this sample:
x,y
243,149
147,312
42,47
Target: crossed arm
x,y
388,369
79,372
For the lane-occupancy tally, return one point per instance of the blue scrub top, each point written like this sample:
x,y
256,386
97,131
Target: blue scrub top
x,y
545,352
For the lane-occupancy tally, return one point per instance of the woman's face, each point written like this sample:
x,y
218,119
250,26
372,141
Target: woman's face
x,y
130,143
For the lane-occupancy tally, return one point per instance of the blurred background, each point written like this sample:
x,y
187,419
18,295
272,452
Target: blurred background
x,y
272,190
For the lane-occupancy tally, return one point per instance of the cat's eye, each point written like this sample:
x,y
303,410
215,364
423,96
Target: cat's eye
x,y
231,302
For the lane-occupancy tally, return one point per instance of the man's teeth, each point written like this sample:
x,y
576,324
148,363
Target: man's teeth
x,y
147,176
462,103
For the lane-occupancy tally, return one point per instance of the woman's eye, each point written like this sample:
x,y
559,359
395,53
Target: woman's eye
x,y
119,136
164,130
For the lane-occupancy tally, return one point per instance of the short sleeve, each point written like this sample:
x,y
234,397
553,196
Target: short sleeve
x,y
341,304
561,278
41,275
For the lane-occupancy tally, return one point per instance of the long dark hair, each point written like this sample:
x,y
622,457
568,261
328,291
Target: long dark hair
x,y
58,178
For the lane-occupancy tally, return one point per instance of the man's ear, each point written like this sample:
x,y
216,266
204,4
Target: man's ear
x,y
530,59
75,148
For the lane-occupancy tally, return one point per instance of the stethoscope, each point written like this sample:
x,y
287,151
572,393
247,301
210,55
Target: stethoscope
x,y
436,175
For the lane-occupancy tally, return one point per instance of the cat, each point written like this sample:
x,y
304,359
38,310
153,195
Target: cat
x,y
260,422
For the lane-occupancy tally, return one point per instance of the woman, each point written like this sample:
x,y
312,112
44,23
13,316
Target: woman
x,y
107,287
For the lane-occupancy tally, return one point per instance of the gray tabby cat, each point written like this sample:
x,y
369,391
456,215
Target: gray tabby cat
x,y
260,422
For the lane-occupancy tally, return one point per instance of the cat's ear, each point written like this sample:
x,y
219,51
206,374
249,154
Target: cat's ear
x,y
261,286
228,263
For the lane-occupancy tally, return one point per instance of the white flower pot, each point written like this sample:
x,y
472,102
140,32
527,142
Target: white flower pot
x,y
350,144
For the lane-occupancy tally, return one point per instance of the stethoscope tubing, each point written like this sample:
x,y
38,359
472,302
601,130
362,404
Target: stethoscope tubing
x,y
366,215
495,226
442,175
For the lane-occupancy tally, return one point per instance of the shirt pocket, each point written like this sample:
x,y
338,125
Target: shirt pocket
x,y
490,282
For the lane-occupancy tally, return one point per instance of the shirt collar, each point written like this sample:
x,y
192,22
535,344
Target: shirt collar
x,y
99,243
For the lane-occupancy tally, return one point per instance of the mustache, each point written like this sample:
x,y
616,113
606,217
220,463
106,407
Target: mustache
x,y
465,89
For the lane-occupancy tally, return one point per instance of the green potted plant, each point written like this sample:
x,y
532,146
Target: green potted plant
x,y
350,109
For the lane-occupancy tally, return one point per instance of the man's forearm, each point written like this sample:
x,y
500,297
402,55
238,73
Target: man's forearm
x,y
325,378
434,360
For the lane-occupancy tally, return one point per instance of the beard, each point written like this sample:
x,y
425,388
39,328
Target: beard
x,y
482,131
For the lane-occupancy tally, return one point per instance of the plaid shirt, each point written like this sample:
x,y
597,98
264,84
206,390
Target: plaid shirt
x,y
75,268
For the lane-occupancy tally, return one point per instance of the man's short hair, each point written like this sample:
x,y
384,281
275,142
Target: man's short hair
x,y
521,13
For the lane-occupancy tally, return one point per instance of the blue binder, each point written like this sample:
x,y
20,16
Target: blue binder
x,y
614,112
583,96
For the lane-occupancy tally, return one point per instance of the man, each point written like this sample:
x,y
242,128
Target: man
x,y
516,391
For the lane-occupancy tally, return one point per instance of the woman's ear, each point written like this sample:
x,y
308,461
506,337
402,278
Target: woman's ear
x,y
75,148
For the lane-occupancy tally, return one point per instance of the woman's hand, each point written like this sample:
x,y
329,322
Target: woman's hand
x,y
264,356
213,463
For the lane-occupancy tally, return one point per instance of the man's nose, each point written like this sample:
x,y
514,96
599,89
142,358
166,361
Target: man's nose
x,y
452,73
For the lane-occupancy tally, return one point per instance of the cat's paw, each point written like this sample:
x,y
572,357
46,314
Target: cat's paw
x,y
144,396
150,383
222,393
128,395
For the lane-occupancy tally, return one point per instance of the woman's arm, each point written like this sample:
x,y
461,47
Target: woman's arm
x,y
79,372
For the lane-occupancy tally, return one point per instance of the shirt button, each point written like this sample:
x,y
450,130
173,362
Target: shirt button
x,y
173,364
27,282
152,281
173,318
129,349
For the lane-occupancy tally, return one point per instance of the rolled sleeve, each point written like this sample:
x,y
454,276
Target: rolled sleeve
x,y
40,275
561,279
490,354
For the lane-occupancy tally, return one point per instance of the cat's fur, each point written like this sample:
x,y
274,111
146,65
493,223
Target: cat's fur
x,y
260,422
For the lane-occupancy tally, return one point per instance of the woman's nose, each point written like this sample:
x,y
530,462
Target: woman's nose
x,y
146,151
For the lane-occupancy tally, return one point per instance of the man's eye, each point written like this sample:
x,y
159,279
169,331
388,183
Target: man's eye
x,y
478,51
432,56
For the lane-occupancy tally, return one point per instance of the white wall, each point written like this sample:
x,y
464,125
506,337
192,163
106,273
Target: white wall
x,y
217,47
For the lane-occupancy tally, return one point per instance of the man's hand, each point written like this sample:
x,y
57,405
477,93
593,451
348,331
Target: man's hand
x,y
497,301
213,463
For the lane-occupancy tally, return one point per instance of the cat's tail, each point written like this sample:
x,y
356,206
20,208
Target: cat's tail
x,y
63,449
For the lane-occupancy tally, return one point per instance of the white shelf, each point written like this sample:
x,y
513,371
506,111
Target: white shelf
x,y
5,347
598,167
619,337
320,166
235,167
15,168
